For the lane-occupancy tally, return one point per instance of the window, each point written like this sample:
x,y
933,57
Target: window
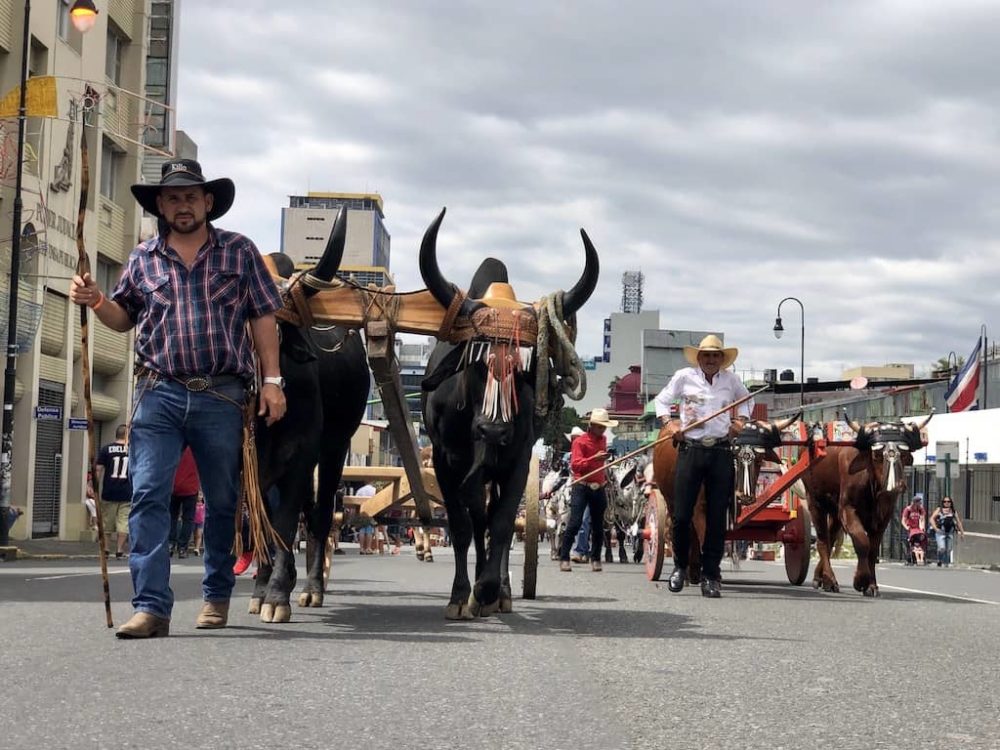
x,y
111,166
65,25
116,56
107,274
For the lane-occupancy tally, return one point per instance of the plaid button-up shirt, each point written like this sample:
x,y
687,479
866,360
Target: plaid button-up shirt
x,y
193,321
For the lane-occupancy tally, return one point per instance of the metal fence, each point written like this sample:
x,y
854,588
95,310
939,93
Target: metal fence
x,y
976,494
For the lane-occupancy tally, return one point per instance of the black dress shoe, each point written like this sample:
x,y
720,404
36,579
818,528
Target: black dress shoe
x,y
711,589
676,581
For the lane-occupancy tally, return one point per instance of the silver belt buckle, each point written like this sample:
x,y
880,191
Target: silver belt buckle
x,y
594,485
708,442
198,383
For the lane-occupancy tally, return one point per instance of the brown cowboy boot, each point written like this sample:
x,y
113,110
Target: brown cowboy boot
x,y
144,625
213,615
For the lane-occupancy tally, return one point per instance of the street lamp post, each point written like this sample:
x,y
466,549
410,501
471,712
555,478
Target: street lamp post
x,y
780,329
83,14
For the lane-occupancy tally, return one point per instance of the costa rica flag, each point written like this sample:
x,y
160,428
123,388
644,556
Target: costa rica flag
x,y
962,391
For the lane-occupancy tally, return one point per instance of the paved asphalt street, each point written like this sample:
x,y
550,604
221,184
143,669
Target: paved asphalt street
x,y
600,660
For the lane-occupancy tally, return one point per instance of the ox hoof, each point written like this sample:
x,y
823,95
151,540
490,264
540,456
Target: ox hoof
x,y
506,605
478,609
458,612
275,613
871,591
311,599
254,608
428,557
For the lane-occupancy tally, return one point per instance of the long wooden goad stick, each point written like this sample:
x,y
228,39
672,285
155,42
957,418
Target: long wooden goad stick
x,y
82,267
677,434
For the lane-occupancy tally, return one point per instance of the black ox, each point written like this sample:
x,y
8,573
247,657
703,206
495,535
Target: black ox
x,y
327,383
479,410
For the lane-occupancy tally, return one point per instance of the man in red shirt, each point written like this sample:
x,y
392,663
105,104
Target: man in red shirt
x,y
182,502
588,453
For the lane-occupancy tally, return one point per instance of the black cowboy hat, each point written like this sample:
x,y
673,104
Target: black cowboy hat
x,y
183,172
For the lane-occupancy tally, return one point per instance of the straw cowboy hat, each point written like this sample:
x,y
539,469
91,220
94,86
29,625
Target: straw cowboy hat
x,y
600,416
574,433
182,173
502,295
711,343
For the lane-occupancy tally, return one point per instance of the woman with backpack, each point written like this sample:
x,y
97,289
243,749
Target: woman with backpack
x,y
945,521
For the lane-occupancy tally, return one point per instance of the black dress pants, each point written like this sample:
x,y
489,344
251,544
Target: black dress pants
x,y
711,468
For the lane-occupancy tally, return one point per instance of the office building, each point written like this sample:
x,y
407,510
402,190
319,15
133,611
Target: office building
x,y
88,77
308,220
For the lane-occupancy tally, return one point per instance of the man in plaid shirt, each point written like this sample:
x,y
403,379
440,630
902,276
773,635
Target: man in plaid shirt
x,y
201,301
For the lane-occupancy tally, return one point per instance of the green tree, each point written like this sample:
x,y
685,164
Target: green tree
x,y
944,367
554,434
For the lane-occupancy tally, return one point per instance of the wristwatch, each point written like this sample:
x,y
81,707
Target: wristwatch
x,y
278,381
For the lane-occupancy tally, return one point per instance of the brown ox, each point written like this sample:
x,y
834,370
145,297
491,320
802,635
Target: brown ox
x,y
856,488
754,445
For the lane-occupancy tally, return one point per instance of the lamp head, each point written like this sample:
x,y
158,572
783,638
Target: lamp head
x,y
778,328
83,14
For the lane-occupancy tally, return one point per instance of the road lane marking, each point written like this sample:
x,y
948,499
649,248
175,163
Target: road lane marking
x,y
74,575
935,593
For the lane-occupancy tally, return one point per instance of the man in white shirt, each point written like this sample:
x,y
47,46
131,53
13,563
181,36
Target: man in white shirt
x,y
704,456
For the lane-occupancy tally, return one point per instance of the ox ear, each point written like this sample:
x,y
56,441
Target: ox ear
x,y
280,265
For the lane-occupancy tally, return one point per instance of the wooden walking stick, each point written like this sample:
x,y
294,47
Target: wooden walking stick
x,y
82,267
649,445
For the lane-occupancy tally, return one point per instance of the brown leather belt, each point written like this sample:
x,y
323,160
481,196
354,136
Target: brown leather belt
x,y
194,383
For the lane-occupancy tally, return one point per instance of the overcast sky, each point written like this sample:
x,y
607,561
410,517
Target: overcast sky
x,y
736,153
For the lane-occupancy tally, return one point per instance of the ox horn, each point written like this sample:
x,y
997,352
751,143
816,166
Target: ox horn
x,y
575,298
786,423
327,267
441,289
923,424
853,425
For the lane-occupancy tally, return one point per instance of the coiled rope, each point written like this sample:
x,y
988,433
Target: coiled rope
x,y
566,374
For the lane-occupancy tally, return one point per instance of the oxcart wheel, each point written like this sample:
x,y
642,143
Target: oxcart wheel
x,y
654,535
530,545
797,554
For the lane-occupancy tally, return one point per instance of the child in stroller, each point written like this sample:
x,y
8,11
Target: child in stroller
x,y
914,521
916,547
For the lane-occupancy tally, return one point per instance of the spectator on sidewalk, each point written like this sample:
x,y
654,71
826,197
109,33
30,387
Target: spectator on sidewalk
x,y
116,489
914,520
365,524
199,524
90,502
183,499
946,522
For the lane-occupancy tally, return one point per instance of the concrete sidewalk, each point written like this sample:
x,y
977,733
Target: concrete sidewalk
x,y
49,549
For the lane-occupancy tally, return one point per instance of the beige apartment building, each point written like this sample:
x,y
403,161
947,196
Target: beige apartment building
x,y
94,75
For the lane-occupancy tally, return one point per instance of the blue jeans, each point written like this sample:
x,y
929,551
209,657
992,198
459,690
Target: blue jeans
x,y
582,497
945,543
582,546
167,418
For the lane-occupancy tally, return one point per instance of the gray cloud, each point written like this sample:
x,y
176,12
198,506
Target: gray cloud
x,y
736,153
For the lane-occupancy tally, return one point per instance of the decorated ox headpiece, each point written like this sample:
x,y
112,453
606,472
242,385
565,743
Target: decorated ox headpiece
x,y
891,445
756,443
502,331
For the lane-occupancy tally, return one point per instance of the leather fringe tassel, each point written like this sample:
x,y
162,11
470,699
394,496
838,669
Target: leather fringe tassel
x,y
262,534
